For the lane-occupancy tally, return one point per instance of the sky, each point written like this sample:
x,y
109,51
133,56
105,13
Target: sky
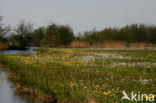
x,y
81,15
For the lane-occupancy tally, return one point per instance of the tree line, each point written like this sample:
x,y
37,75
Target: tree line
x,y
128,34
23,35
55,35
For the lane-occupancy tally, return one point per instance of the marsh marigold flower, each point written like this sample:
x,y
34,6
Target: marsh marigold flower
x,y
71,84
105,93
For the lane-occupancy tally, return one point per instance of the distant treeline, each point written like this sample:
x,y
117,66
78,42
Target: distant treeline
x,y
55,35
24,35
128,34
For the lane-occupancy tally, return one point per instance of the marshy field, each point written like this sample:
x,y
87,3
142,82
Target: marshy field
x,y
82,75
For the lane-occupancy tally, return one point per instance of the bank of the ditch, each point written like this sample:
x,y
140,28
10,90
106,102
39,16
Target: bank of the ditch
x,y
82,75
29,91
8,92
34,95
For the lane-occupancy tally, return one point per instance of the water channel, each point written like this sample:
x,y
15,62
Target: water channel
x,y
7,92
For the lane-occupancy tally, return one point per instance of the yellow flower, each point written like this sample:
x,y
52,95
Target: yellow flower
x,y
71,84
68,63
65,57
27,62
105,93
149,96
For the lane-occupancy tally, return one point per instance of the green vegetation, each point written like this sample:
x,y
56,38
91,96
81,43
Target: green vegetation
x,y
128,34
83,75
38,36
22,35
56,36
3,31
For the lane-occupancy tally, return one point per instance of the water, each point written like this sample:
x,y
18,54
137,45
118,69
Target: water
x,y
27,51
7,94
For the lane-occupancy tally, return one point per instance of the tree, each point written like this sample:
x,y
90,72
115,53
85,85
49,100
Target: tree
x,y
22,35
3,31
38,35
0,20
128,34
79,36
66,35
57,35
50,36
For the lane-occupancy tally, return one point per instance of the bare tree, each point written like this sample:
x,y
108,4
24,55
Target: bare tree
x,y
23,34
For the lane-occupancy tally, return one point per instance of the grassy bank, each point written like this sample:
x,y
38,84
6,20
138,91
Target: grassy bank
x,y
83,75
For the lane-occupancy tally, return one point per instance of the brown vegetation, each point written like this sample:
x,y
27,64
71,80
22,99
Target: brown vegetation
x,y
3,46
79,44
137,45
142,45
111,44
105,44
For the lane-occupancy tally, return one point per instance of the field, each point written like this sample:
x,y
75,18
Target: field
x,y
83,75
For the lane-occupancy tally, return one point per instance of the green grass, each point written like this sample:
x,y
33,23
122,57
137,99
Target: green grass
x,y
85,75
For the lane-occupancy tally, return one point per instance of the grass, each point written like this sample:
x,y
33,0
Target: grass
x,y
83,75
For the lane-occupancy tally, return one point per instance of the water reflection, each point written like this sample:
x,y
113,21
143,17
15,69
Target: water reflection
x,y
29,50
7,94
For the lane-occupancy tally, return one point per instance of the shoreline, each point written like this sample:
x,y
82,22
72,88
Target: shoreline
x,y
31,94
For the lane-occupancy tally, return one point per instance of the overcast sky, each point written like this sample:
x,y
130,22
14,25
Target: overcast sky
x,y
80,14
